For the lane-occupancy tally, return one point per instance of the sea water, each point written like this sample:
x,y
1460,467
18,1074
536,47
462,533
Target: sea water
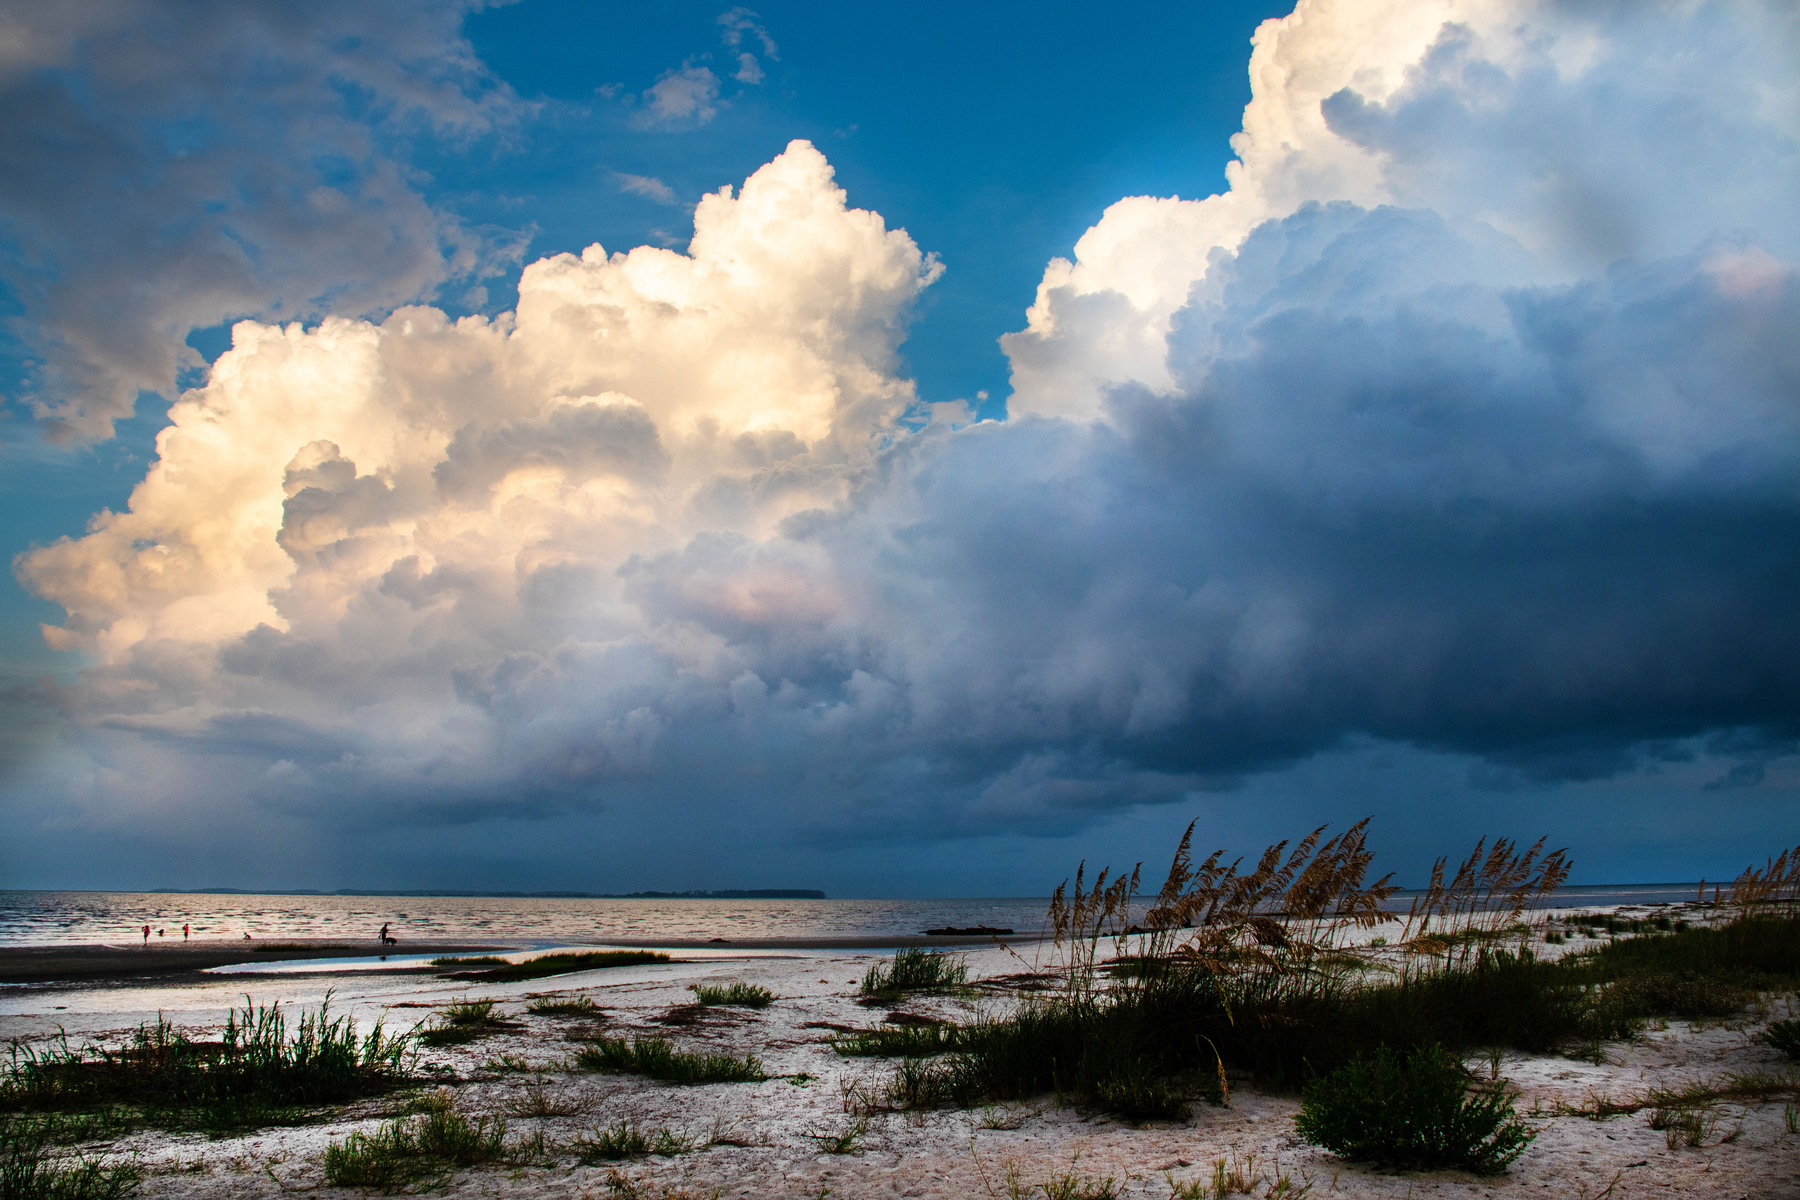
x,y
66,918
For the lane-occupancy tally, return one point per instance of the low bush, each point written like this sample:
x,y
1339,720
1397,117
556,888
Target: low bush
x,y
738,995
1416,1110
657,1059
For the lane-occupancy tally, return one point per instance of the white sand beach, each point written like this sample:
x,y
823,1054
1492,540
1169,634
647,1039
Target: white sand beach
x,y
771,1139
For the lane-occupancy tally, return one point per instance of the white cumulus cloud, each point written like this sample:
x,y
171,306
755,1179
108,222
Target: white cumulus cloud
x,y
1435,430
1586,133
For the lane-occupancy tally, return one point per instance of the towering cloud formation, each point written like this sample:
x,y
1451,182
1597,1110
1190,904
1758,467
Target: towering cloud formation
x,y
1466,419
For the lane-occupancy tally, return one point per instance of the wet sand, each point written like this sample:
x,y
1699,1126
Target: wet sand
x,y
55,964
68,964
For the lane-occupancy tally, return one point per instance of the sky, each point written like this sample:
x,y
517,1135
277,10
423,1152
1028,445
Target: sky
x,y
558,446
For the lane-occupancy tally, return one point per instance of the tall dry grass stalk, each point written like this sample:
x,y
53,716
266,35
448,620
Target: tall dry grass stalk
x,y
1305,909
1772,890
1484,902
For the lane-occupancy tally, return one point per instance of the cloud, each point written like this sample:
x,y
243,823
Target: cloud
x,y
741,23
1551,124
1388,445
682,97
734,28
170,166
648,187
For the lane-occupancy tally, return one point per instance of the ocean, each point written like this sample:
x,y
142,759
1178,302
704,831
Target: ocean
x,y
35,918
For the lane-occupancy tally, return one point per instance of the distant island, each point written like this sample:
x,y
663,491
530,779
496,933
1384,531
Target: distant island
x,y
718,894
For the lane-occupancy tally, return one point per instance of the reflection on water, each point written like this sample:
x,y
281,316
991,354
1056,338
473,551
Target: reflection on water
x,y
48,918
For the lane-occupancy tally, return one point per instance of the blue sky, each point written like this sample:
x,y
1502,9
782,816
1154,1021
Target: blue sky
x,y
997,511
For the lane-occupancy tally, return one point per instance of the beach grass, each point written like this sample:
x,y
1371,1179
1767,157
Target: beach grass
x,y
34,1166
657,1059
569,1006
1784,1036
474,960
259,1073
626,1140
914,970
562,964
736,995
463,1022
898,1041
1271,971
425,1148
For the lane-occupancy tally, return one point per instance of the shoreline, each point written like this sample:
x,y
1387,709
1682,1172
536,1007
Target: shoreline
x,y
90,962
78,962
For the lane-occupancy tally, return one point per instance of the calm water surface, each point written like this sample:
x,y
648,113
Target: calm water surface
x,y
49,918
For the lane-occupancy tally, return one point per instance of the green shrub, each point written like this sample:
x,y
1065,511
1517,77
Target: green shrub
x,y
1420,1110
739,995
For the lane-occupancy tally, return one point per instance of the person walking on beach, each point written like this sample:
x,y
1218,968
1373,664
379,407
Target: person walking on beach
x,y
146,935
383,935
184,933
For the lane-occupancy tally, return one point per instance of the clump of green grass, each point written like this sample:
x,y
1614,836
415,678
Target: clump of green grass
x,y
32,1167
657,1059
563,964
844,1142
898,1041
1784,1036
737,995
570,1006
258,1073
1418,1110
915,970
409,1150
463,1022
478,960
626,1139
1263,970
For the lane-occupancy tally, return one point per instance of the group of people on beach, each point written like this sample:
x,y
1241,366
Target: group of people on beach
x,y
383,935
